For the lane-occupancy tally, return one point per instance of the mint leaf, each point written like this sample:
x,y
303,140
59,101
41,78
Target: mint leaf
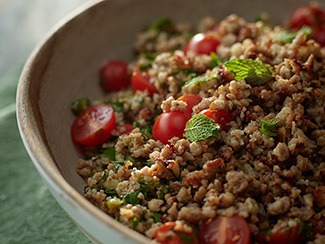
x,y
198,80
268,127
200,127
253,72
286,37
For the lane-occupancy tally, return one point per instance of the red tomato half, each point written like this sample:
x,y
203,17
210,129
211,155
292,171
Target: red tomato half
x,y
281,237
168,125
225,230
220,116
114,75
191,100
94,126
319,35
141,81
307,15
179,237
313,16
202,44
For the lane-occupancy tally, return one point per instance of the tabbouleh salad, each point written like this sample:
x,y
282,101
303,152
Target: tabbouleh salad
x,y
213,134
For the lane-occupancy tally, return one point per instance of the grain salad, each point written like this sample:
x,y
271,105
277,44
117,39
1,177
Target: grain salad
x,y
214,133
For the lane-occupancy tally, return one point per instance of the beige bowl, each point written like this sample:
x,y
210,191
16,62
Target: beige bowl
x,y
64,67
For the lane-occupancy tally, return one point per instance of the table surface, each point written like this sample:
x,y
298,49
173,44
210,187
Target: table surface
x,y
28,212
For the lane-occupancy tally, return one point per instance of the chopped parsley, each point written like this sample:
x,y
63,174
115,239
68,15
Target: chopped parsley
x,y
157,216
215,60
110,193
199,79
200,127
117,106
269,127
286,37
163,25
109,153
253,72
80,105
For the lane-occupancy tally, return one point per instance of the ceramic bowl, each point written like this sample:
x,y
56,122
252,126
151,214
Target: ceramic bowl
x,y
64,67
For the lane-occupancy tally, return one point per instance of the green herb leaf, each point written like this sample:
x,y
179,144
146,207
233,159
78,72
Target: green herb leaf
x,y
109,153
163,24
215,60
157,216
105,175
132,198
144,189
162,191
145,66
117,164
110,193
286,37
80,105
268,127
200,127
199,79
117,106
184,238
253,72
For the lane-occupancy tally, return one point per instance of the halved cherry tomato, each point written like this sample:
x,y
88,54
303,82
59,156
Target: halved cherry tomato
x,y
141,81
319,35
313,16
287,235
307,15
94,126
202,44
114,75
176,237
225,230
168,125
220,116
191,100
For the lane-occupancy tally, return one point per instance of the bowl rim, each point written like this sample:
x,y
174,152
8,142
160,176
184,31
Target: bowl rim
x,y
29,120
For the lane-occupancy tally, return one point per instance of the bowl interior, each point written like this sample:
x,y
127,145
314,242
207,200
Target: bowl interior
x,y
65,66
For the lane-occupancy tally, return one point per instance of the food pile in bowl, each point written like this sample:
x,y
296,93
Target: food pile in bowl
x,y
213,133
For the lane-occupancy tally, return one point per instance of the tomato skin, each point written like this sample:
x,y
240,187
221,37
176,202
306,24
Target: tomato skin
x,y
281,237
168,125
307,15
220,116
202,44
319,35
225,230
94,126
175,239
141,81
191,100
313,16
114,75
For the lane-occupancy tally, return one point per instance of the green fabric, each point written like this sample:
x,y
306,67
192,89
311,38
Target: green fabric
x,y
28,212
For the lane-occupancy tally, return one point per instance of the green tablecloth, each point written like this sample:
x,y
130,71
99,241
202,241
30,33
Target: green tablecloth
x,y
28,212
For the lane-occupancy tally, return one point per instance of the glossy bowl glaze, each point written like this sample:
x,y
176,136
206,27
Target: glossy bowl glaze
x,y
64,67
